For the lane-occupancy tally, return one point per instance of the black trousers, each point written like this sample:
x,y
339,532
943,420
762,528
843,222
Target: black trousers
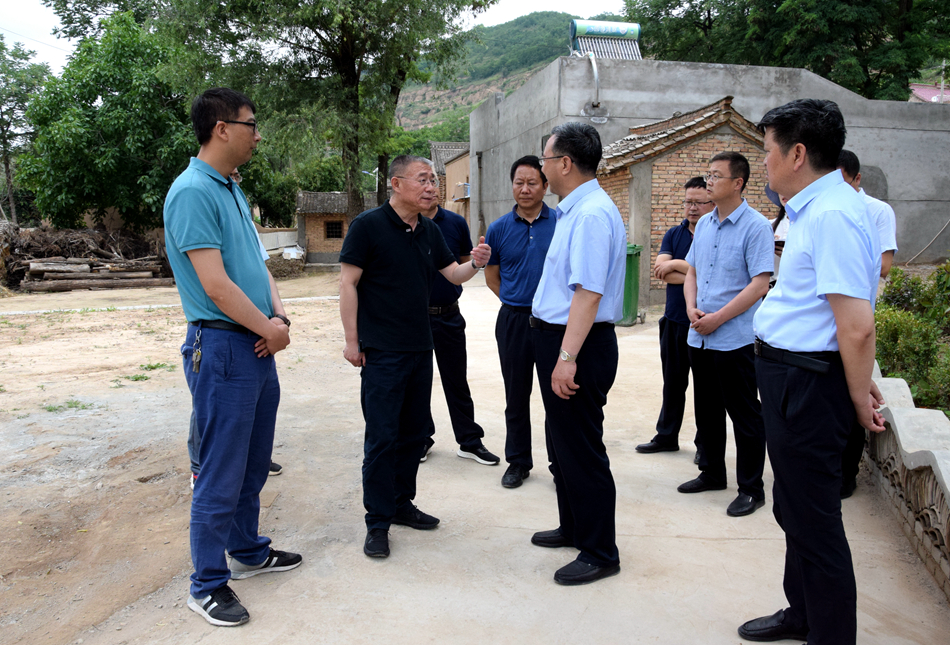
x,y
674,358
516,353
724,382
395,392
808,417
448,335
853,451
586,494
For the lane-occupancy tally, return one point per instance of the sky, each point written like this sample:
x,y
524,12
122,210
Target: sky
x,y
32,24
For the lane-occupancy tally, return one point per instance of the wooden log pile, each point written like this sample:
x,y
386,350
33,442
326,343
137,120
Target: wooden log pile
x,y
71,274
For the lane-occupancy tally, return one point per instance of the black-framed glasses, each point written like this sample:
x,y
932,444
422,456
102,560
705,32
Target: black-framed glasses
x,y
425,181
541,159
690,204
709,177
251,124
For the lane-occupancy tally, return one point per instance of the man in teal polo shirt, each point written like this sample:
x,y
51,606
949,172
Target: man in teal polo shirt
x,y
236,325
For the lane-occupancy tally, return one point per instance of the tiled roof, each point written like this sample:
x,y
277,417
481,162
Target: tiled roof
x,y
308,202
652,139
442,152
929,93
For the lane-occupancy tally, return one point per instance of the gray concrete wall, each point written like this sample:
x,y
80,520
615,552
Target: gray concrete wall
x,y
908,142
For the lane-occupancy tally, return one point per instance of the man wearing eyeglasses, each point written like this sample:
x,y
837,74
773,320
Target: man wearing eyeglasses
x,y
576,304
389,261
730,262
236,324
671,267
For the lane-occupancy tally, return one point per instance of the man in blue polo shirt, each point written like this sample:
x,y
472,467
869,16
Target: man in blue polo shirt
x,y
730,262
577,302
814,357
236,325
389,259
519,242
448,338
671,267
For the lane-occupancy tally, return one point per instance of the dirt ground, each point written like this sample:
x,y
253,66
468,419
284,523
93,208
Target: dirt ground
x,y
94,483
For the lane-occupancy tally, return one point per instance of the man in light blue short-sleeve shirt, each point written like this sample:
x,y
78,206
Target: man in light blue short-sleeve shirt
x,y
730,263
573,313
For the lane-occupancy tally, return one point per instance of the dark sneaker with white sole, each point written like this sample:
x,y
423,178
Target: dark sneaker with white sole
x,y
275,561
479,454
412,517
275,469
425,454
222,608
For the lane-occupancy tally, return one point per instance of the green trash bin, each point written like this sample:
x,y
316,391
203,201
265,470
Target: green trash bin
x,y
631,286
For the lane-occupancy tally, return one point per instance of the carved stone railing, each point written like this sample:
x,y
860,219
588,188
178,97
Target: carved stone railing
x,y
910,462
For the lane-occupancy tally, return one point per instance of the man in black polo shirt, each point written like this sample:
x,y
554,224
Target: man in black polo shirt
x,y
448,336
671,267
389,259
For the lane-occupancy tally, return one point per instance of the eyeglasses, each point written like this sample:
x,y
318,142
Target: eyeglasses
x,y
250,124
423,182
689,204
710,177
541,159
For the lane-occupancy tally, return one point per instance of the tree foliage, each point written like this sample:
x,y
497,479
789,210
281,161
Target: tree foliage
x,y
109,133
354,56
20,80
872,47
517,45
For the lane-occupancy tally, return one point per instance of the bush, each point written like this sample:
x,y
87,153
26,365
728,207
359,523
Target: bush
x,y
929,299
907,345
934,391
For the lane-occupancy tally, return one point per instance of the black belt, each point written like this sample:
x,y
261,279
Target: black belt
x,y
520,310
537,323
444,310
819,362
221,324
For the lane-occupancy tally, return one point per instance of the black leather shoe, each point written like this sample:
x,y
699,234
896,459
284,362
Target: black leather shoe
x,y
514,476
550,539
412,517
699,485
848,487
581,573
653,446
744,505
772,628
377,543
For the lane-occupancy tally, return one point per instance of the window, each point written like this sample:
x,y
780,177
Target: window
x,y
334,230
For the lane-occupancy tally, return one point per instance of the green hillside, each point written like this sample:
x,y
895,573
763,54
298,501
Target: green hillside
x,y
498,59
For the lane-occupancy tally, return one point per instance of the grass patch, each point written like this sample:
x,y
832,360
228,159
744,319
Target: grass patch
x,y
137,377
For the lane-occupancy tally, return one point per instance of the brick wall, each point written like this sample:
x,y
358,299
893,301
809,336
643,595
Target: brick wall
x,y
316,232
672,170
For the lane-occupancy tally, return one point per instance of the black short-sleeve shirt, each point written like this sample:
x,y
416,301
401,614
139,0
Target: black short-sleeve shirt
x,y
399,265
459,240
676,243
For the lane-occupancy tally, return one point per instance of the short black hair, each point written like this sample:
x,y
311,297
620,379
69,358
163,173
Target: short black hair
x,y
216,104
815,123
400,163
530,161
738,165
848,162
580,142
695,182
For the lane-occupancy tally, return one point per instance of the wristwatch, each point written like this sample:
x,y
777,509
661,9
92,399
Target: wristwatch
x,y
283,319
475,266
567,358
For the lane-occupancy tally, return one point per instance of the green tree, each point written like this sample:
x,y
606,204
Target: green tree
x,y
109,133
353,55
20,80
872,47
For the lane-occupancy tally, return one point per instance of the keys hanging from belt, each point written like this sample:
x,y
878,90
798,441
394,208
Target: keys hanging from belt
x,y
196,356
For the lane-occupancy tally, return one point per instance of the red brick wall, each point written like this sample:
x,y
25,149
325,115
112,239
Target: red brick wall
x,y
672,170
316,232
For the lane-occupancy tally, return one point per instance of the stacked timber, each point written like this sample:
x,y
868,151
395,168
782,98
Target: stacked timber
x,y
70,274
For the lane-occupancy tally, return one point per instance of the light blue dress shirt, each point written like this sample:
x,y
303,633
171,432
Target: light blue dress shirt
x,y
588,249
832,247
726,256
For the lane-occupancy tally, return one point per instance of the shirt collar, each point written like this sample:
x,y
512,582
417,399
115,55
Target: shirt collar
x,y
207,169
734,215
798,203
576,195
545,212
439,215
